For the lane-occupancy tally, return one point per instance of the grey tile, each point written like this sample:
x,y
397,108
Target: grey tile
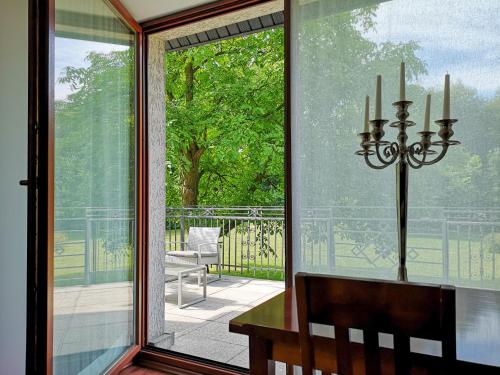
x,y
240,296
206,348
233,314
220,332
180,324
242,360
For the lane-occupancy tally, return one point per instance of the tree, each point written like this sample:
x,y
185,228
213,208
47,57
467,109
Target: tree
x,y
95,134
225,122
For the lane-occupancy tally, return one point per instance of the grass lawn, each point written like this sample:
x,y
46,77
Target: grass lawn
x,y
243,255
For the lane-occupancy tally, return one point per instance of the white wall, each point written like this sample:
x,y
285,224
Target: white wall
x,y
13,167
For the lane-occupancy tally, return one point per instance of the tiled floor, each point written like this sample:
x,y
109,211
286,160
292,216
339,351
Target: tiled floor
x,y
202,329
90,319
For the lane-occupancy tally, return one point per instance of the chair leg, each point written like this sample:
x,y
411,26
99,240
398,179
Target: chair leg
x,y
199,278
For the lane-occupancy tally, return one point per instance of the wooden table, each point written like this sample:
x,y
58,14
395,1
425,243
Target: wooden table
x,y
273,335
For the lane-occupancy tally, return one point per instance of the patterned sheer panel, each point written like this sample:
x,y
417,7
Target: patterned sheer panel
x,y
345,212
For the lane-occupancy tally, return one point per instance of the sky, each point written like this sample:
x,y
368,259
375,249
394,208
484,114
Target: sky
x,y
72,52
463,42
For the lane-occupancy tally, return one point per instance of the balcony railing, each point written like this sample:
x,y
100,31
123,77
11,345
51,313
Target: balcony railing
x,y
252,238
95,245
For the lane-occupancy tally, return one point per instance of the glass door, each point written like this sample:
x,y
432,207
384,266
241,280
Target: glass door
x,y
94,164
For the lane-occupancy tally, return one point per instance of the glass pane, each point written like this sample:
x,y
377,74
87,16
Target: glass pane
x,y
216,184
94,187
344,211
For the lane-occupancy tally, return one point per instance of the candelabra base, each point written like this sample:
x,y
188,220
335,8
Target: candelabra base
x,y
402,275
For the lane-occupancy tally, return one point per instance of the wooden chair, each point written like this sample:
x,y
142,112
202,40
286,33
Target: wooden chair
x,y
399,308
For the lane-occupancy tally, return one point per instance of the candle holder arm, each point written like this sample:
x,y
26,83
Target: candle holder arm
x,y
418,163
374,166
389,153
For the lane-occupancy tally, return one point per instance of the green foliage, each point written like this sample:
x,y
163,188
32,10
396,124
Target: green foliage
x,y
231,114
235,117
95,135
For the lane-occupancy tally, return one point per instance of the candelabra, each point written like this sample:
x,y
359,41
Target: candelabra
x,y
415,155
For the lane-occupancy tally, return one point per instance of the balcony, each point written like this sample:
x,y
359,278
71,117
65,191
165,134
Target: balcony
x,y
460,245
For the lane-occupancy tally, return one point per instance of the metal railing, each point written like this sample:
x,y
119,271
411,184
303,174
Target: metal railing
x,y
94,245
252,238
445,243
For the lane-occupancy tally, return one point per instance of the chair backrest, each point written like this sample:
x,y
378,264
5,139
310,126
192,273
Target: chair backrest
x,y
399,308
203,235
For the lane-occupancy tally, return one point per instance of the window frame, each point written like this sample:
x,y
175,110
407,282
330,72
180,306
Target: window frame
x,y
40,183
148,354
40,220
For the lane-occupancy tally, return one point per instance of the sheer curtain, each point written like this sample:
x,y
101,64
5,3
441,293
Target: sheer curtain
x,y
94,184
344,212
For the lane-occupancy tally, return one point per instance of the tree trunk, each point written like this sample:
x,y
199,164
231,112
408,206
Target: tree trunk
x,y
191,177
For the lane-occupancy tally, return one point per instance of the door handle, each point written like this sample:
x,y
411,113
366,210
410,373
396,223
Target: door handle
x,y
23,182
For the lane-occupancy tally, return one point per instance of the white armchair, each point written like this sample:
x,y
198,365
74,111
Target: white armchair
x,y
202,247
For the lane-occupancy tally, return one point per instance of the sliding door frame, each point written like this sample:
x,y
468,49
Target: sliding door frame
x,y
40,184
149,356
41,21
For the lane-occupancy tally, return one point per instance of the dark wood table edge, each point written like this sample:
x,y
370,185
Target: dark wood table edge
x,y
262,338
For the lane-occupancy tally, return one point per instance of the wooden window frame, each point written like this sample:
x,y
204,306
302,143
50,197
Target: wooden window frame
x,y
40,184
155,358
40,223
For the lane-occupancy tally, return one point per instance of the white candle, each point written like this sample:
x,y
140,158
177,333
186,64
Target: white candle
x,y
446,100
427,117
378,99
367,114
402,88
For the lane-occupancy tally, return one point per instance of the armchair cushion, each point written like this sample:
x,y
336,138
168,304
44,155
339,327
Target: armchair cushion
x,y
190,254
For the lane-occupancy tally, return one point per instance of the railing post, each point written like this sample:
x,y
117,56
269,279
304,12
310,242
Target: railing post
x,y
182,228
331,241
88,247
445,247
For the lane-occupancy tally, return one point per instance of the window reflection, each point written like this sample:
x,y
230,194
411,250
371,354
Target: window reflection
x,y
94,187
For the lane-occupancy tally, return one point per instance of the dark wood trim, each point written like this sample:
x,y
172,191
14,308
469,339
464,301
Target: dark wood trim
x,y
198,13
136,370
31,250
40,187
125,14
142,261
176,365
125,361
154,359
288,151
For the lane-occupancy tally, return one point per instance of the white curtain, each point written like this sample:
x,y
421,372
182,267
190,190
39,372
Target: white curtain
x,y
344,214
94,187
